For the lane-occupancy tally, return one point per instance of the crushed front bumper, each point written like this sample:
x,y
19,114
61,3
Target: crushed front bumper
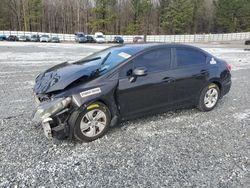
x,y
52,116
56,126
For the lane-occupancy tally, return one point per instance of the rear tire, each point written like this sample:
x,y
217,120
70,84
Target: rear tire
x,y
209,98
93,122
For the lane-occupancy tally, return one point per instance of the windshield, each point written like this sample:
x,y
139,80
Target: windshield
x,y
80,35
45,36
109,58
99,36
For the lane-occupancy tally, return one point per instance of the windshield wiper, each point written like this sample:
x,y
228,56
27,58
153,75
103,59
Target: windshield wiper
x,y
87,60
105,58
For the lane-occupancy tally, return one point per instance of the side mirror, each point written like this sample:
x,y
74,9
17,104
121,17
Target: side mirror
x,y
140,71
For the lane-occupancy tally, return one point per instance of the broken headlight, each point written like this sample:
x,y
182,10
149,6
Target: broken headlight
x,y
47,109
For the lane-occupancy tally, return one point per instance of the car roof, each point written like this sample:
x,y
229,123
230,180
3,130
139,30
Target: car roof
x,y
144,46
140,47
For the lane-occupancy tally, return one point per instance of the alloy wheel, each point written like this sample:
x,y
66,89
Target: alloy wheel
x,y
211,98
93,123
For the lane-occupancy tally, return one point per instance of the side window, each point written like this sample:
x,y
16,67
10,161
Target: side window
x,y
155,60
186,56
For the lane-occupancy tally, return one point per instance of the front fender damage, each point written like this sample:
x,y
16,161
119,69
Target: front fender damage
x,y
61,122
106,96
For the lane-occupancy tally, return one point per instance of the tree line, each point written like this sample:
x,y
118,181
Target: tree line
x,y
126,16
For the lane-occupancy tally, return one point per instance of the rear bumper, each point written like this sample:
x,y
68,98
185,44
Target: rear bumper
x,y
226,88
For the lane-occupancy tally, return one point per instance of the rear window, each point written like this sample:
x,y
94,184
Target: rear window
x,y
186,57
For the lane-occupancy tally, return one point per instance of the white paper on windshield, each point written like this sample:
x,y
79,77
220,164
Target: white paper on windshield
x,y
124,55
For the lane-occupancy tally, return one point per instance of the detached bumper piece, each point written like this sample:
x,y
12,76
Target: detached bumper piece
x,y
46,128
59,132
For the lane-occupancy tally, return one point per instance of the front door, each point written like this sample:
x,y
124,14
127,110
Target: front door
x,y
148,92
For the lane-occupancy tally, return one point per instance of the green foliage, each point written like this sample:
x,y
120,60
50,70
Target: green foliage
x,y
199,15
35,11
104,14
233,16
131,29
126,16
177,17
135,27
141,12
3,18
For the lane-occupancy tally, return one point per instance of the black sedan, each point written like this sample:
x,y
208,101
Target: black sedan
x,y
83,99
12,38
55,40
90,39
35,38
117,39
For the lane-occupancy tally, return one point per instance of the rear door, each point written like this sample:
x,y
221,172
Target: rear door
x,y
146,92
191,72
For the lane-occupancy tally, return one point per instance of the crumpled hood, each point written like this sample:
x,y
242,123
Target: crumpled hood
x,y
62,75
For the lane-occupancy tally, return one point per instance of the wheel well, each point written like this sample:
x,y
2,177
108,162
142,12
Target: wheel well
x,y
103,102
110,107
218,84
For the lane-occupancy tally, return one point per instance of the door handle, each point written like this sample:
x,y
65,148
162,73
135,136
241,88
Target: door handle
x,y
168,79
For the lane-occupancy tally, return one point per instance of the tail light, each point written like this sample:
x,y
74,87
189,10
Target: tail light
x,y
228,67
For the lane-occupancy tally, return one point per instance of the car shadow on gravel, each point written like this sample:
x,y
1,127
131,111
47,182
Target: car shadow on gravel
x,y
154,117
136,123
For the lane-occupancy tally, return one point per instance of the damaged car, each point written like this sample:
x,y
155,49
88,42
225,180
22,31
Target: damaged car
x,y
84,99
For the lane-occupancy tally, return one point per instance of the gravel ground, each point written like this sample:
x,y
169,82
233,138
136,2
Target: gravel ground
x,y
183,148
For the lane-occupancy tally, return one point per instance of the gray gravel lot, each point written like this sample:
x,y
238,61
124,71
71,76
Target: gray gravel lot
x,y
183,148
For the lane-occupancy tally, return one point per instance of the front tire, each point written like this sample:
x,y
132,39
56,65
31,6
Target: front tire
x,y
209,98
93,122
